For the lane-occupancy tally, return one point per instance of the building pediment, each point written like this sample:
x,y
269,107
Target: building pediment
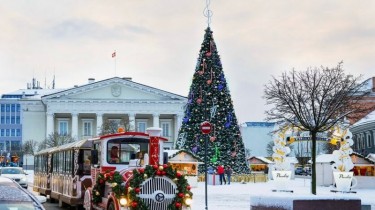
x,y
114,89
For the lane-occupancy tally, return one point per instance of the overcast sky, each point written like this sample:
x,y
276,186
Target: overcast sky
x,y
157,42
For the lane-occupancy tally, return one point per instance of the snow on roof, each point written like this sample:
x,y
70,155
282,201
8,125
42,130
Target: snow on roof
x,y
262,159
371,156
368,118
33,93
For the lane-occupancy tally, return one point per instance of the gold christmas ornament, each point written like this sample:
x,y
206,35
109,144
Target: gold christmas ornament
x,y
161,168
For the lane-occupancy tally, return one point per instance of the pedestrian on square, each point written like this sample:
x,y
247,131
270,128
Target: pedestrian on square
x,y
228,172
221,172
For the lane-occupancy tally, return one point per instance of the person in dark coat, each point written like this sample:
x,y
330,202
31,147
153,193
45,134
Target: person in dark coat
x,y
228,172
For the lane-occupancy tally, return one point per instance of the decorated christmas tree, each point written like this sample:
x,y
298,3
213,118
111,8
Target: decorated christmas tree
x,y
209,100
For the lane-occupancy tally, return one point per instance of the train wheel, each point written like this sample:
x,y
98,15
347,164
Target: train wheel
x,y
111,206
87,201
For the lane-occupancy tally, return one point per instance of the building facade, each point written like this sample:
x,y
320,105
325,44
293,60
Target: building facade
x,y
364,135
80,111
35,113
256,136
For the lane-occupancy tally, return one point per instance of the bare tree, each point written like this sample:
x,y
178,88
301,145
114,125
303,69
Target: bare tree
x,y
55,139
29,147
269,148
315,100
111,126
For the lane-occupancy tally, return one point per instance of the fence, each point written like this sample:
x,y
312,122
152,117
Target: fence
x,y
253,178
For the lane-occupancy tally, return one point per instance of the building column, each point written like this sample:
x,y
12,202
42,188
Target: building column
x,y
50,124
131,121
99,122
177,124
74,125
155,121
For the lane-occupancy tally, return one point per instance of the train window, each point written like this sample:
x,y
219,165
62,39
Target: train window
x,y
123,152
86,161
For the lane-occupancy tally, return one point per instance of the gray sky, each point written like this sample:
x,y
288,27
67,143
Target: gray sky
x,y
157,42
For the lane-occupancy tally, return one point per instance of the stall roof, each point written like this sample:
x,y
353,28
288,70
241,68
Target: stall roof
x,y
371,156
263,159
172,153
76,144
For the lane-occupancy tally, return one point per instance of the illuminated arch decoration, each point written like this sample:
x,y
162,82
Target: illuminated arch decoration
x,y
281,149
341,158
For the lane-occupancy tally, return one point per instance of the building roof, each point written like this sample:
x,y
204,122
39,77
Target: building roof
x,y
259,124
371,156
30,93
263,159
367,119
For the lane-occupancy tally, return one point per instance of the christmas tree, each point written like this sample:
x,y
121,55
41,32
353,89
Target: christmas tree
x,y
210,100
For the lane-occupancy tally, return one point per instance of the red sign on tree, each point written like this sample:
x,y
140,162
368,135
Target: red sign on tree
x,y
206,127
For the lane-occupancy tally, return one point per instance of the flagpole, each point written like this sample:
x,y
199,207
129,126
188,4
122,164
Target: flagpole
x,y
115,63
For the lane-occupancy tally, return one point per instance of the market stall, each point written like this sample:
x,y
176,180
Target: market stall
x,y
186,163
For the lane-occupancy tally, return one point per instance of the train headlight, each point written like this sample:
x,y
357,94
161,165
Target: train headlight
x,y
188,201
123,201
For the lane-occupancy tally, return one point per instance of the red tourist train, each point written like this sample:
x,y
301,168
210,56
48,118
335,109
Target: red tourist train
x,y
126,170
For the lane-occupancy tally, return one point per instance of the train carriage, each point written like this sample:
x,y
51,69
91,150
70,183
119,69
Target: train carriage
x,y
63,172
125,170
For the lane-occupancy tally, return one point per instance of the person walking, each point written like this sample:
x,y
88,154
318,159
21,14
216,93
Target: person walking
x,y
228,172
221,171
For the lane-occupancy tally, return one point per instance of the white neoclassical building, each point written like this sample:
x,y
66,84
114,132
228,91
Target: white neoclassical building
x,y
81,110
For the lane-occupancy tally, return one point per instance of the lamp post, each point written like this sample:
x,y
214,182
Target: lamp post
x,y
206,129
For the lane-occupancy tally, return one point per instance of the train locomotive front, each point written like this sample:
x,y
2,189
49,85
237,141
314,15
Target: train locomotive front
x,y
129,171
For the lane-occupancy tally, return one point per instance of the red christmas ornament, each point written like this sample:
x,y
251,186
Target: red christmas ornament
x,y
101,181
165,166
177,204
158,173
212,138
163,173
141,170
134,204
208,54
112,173
209,82
181,195
155,167
188,187
178,174
199,100
137,190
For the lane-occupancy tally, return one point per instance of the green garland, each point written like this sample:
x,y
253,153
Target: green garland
x,y
140,175
112,177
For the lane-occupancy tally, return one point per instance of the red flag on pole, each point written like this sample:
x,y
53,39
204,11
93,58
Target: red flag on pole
x,y
114,54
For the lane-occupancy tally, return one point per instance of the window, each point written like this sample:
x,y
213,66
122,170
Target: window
x,y
166,126
87,127
18,132
7,121
2,107
13,120
63,127
141,125
2,132
2,120
7,132
7,107
86,162
368,135
120,152
13,132
18,108
18,120
363,146
13,108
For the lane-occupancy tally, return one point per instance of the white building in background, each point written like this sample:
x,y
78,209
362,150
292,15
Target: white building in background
x,y
256,136
81,110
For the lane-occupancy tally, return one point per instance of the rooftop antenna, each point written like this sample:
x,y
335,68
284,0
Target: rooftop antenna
x,y
207,12
114,56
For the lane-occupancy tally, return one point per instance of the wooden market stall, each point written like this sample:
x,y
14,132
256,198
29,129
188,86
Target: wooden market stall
x,y
186,163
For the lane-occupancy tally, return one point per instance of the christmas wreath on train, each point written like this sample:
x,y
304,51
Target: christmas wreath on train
x,y
133,189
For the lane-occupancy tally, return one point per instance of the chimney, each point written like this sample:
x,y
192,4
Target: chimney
x,y
91,80
127,78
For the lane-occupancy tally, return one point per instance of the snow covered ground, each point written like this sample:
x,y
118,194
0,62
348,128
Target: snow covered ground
x,y
236,196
